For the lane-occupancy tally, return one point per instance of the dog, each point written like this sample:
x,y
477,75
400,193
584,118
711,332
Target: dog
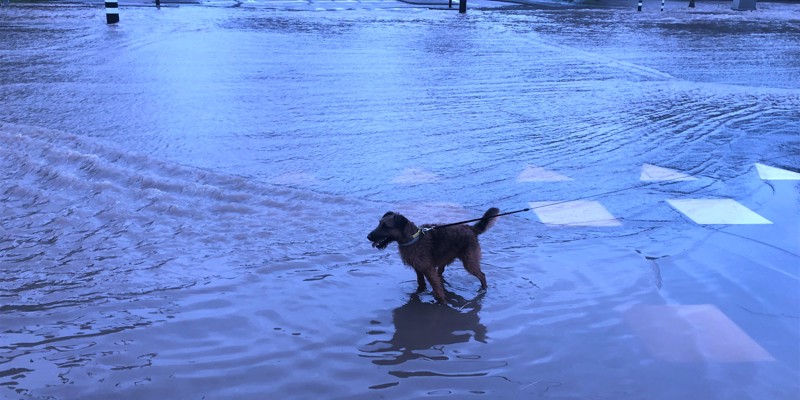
x,y
429,249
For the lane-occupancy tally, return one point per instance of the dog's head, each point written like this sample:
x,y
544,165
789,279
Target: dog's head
x,y
392,227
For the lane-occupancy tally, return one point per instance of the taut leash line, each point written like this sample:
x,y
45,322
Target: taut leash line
x,y
426,230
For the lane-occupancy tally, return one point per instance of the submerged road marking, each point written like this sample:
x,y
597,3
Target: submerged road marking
x,y
768,173
717,212
416,175
652,172
295,178
537,174
434,212
692,333
574,213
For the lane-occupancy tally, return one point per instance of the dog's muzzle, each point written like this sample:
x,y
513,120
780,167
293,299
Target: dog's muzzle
x,y
379,243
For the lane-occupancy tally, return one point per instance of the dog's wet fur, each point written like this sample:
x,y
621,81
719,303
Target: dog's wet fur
x,y
429,253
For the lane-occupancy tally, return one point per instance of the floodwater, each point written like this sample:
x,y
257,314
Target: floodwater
x,y
186,195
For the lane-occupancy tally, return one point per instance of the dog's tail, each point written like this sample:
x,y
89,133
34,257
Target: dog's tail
x,y
486,221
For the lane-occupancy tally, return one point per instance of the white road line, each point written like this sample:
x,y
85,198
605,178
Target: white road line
x,y
717,212
768,173
537,174
574,213
416,175
652,172
693,333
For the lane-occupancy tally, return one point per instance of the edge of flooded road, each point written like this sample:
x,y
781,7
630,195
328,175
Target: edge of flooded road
x,y
650,5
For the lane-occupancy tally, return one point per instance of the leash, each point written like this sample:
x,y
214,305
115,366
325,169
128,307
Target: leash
x,y
426,230
423,231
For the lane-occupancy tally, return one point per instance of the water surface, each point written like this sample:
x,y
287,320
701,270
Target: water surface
x,y
186,196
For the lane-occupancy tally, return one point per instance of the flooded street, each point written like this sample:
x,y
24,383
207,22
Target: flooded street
x,y
186,196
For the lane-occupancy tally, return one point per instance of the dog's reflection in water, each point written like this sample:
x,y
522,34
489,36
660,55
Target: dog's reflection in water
x,y
421,328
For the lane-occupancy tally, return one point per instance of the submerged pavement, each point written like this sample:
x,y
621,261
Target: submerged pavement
x,y
715,6
185,198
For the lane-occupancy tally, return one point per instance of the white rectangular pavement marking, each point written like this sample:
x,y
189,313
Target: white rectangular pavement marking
x,y
692,333
768,173
538,174
717,211
416,175
655,173
573,213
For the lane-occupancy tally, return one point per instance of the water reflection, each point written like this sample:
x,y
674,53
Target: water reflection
x,y
422,328
127,222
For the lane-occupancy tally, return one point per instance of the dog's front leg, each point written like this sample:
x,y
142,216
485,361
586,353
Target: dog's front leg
x,y
436,284
441,274
420,282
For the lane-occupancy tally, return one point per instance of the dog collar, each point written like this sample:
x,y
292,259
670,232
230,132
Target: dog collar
x,y
413,240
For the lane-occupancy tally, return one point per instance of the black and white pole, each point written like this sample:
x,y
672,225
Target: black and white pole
x,y
112,11
691,3
662,5
640,6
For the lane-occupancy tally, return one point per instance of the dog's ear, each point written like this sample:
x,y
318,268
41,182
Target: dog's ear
x,y
387,214
400,222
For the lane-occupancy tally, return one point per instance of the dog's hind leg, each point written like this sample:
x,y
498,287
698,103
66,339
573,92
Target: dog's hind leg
x,y
436,284
420,282
472,263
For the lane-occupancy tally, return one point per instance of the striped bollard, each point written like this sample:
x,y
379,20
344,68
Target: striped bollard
x,y
662,5
640,6
112,11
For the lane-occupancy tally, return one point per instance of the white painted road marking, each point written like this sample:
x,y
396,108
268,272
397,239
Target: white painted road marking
x,y
693,333
537,174
717,211
651,172
768,173
573,213
416,175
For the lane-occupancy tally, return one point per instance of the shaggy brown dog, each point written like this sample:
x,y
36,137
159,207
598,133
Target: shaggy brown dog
x,y
430,251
